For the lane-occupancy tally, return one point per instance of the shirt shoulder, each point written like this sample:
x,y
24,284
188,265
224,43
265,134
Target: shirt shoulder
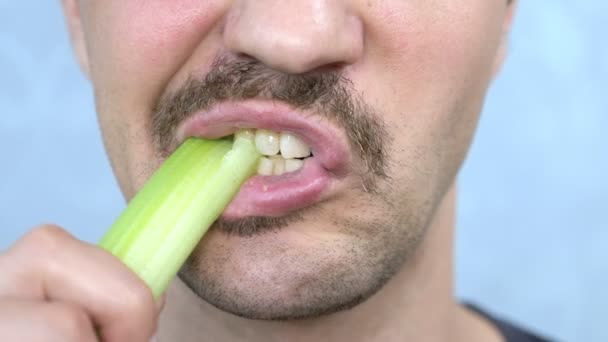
x,y
508,330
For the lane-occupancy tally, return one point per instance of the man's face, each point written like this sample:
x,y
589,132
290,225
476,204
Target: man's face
x,y
385,93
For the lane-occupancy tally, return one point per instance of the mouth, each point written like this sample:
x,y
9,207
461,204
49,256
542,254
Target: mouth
x,y
304,156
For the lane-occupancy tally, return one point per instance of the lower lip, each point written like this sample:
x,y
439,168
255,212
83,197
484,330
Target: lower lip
x,y
278,195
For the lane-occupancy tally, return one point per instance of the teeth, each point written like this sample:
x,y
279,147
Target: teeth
x,y
279,165
292,165
280,151
265,167
267,142
292,147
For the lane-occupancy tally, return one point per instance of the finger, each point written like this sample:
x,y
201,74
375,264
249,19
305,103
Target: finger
x,y
36,321
49,263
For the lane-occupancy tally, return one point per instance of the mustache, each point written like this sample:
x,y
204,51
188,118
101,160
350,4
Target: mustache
x,y
326,93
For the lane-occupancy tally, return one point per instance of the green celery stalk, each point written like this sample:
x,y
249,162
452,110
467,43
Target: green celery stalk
x,y
167,218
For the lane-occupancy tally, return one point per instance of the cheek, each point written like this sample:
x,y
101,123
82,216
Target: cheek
x,y
431,65
431,62
134,48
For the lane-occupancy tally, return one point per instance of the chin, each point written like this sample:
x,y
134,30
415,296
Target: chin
x,y
286,299
284,276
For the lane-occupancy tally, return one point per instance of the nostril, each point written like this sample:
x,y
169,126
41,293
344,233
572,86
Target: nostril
x,y
328,68
334,67
245,57
331,67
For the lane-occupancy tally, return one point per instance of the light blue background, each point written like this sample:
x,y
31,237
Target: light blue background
x,y
533,235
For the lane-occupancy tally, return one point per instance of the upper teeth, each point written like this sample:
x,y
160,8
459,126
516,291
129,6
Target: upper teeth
x,y
282,147
293,147
267,142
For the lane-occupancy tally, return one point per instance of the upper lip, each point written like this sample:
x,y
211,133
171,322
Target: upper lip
x,y
327,143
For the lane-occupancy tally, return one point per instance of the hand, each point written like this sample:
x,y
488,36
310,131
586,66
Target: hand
x,y
54,287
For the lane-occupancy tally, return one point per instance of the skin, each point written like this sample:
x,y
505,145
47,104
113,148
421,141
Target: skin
x,y
422,67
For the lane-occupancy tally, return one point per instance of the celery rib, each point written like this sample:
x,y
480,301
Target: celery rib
x,y
164,222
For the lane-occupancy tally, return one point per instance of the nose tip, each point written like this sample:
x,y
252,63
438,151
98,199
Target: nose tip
x,y
294,36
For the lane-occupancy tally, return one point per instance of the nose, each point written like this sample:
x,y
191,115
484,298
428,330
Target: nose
x,y
294,36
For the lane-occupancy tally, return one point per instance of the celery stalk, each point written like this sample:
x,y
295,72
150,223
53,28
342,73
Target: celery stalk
x,y
167,218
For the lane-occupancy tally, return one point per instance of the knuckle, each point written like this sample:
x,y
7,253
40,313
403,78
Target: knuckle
x,y
70,322
22,264
45,238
